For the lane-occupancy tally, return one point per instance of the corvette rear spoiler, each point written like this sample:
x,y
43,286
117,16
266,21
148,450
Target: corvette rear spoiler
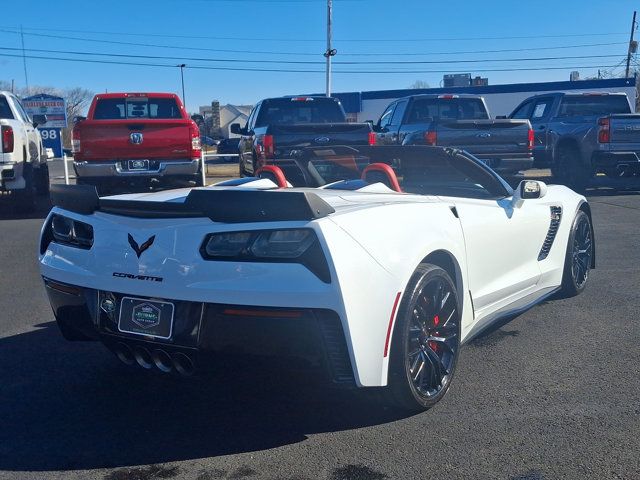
x,y
227,205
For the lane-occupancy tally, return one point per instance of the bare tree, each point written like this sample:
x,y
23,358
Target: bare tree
x,y
419,84
77,101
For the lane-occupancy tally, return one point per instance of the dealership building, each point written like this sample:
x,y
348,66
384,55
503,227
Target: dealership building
x,y
501,99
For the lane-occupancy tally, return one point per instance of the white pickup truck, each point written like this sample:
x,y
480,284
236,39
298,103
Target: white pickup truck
x,y
23,162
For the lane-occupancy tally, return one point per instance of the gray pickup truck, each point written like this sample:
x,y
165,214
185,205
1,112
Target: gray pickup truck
x,y
460,121
583,136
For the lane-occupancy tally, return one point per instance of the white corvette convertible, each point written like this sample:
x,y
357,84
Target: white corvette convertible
x,y
376,274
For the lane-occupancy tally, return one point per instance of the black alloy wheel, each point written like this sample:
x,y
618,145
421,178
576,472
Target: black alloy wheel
x,y
579,256
426,340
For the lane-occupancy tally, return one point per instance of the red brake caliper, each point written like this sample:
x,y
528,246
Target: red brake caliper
x,y
432,344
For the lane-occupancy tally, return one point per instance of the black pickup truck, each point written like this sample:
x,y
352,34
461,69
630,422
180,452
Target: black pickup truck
x,y
277,128
460,121
588,139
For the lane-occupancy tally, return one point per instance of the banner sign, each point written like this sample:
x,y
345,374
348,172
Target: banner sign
x,y
51,106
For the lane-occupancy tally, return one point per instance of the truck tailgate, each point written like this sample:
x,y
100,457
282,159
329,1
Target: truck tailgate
x,y
113,139
625,129
316,134
485,137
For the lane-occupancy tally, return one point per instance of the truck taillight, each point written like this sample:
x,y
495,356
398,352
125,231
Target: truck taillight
x,y
430,137
531,139
604,130
75,140
269,146
372,138
7,139
196,146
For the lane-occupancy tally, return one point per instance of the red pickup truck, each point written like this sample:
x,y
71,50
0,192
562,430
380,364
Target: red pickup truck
x,y
139,139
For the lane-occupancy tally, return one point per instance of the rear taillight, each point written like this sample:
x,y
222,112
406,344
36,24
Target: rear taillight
x,y
531,139
196,147
265,148
372,138
430,137
604,130
75,140
7,139
269,146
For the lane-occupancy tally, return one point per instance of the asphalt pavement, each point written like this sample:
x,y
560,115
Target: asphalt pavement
x,y
554,393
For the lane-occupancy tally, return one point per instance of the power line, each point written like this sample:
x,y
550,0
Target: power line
x,y
433,39
303,62
282,70
271,52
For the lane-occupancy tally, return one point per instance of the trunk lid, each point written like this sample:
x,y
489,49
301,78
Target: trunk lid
x,y
288,137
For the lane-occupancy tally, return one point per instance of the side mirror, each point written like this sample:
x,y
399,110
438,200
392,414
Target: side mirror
x,y
237,129
528,190
78,119
39,120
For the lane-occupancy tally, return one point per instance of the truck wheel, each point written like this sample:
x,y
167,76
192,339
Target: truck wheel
x,y
42,180
569,169
25,199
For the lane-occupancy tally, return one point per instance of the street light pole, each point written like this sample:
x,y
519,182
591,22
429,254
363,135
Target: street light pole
x,y
330,52
182,65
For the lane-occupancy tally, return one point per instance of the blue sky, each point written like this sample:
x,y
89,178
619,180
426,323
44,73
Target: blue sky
x,y
295,31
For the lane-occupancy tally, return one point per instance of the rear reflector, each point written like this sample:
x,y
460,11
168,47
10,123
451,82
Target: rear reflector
x,y
7,139
604,132
389,328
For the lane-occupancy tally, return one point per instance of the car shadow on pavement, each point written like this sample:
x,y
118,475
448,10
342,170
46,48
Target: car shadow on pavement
x,y
8,210
74,406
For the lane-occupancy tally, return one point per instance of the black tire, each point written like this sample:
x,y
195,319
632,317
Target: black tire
x,y
198,180
578,257
426,341
42,180
25,199
569,169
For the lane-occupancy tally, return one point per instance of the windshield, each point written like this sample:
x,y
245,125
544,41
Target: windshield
x,y
419,169
309,110
588,105
429,109
136,107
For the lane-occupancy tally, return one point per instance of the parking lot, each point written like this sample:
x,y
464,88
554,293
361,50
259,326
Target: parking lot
x,y
551,394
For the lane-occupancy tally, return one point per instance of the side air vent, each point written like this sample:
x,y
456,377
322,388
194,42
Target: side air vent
x,y
556,216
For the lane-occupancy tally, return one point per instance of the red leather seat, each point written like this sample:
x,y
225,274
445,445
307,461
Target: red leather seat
x,y
383,173
273,173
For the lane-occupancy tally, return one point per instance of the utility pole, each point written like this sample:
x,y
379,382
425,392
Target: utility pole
x,y
24,61
182,65
330,51
631,45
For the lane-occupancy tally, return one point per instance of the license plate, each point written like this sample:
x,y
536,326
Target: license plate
x,y
138,164
146,317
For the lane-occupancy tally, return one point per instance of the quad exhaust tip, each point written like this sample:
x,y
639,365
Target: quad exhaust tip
x,y
183,364
162,360
143,357
124,353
